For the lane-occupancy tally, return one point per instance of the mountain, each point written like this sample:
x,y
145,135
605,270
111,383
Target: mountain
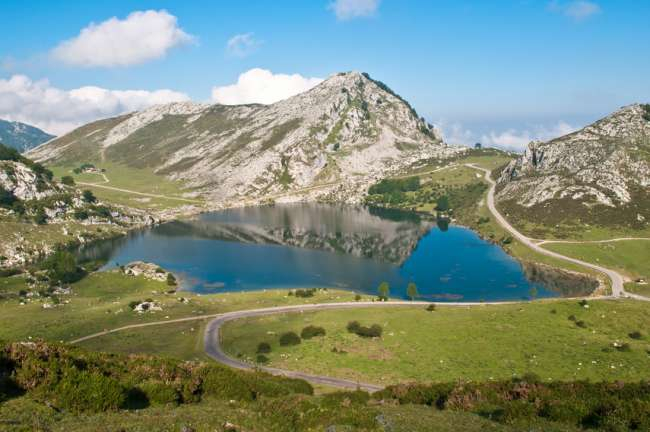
x,y
21,136
335,139
599,174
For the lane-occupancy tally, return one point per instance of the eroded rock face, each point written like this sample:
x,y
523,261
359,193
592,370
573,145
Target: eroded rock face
x,y
146,270
24,183
332,142
606,163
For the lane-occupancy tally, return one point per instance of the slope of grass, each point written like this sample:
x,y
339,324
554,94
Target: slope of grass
x,y
470,343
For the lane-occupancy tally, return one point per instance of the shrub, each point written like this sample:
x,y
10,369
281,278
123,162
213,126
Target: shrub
x,y
261,358
159,393
572,318
374,330
133,304
171,279
305,292
88,196
263,348
40,217
636,335
357,297
624,347
80,214
581,324
7,198
431,307
289,338
225,384
62,267
80,391
67,180
312,331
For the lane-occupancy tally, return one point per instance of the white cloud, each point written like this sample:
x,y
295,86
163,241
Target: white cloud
x,y
141,37
262,86
242,45
58,111
578,10
518,140
349,9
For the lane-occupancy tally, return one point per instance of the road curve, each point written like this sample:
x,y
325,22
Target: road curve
x,y
212,338
616,279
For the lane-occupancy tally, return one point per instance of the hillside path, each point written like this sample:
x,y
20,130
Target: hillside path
x,y
616,279
106,180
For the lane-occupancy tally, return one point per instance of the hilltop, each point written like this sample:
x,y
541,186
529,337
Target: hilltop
x,y
21,136
330,142
597,175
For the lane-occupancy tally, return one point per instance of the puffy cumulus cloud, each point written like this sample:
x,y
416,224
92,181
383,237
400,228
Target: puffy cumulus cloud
x,y
58,111
262,86
141,37
349,9
518,140
242,45
577,10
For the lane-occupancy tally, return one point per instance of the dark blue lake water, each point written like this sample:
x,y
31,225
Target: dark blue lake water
x,y
353,248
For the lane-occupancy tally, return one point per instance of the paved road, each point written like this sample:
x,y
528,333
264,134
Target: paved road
x,y
618,289
212,338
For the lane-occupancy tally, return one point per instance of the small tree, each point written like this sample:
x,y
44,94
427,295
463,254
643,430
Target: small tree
x,y
67,180
263,348
383,290
171,279
312,331
442,204
88,196
412,291
289,338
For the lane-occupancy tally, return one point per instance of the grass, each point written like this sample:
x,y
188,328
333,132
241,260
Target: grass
x,y
630,257
136,179
100,301
470,343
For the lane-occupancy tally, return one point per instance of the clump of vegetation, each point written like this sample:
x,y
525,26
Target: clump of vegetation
x,y
61,267
355,327
171,280
624,347
78,381
312,331
10,154
67,180
387,186
636,335
431,307
412,291
263,348
88,196
261,358
304,293
289,338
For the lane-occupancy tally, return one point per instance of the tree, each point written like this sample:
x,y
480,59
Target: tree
x,y
383,290
171,279
412,291
62,267
442,204
88,196
478,146
67,180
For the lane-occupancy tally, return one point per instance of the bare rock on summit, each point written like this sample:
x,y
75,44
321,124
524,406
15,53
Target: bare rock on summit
x,y
330,142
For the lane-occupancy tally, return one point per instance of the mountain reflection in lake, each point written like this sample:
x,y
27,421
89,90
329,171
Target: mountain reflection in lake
x,y
318,245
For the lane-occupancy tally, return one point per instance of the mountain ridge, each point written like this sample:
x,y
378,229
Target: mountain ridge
x,y
21,136
348,131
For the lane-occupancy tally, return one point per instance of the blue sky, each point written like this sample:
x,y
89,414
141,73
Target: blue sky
x,y
500,71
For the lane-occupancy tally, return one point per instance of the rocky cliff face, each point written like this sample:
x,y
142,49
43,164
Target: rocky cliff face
x,y
604,165
331,141
21,136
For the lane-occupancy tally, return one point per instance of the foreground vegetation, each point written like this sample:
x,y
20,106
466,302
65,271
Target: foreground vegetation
x,y
558,340
54,387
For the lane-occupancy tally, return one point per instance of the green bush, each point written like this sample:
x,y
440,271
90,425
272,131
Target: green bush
x,y
261,358
80,391
355,327
80,214
636,335
67,180
62,267
289,338
263,348
305,292
171,280
159,393
312,331
7,198
88,196
431,307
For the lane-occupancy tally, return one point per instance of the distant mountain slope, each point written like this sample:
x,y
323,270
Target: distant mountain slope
x,y
600,173
339,137
21,136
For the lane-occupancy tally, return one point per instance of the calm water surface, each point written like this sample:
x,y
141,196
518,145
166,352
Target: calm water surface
x,y
313,245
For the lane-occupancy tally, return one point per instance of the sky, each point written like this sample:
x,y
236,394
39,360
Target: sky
x,y
499,72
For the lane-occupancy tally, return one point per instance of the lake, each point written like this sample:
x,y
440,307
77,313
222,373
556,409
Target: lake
x,y
319,245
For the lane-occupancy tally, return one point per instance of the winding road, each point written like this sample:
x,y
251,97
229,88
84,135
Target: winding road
x,y
616,279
